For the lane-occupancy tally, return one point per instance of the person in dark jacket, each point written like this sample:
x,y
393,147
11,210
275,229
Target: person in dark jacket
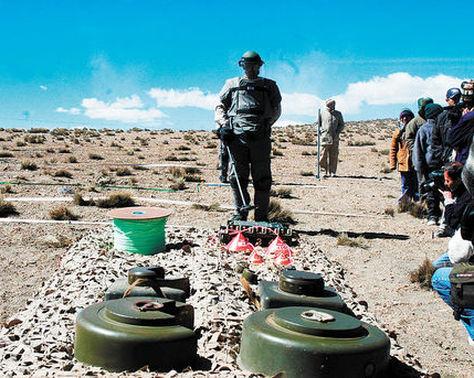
x,y
460,135
424,164
442,152
414,125
456,199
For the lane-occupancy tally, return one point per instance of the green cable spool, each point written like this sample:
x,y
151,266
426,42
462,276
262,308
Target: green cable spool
x,y
130,333
299,342
140,229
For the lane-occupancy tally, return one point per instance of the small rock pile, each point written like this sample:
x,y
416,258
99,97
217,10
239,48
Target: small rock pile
x,y
39,340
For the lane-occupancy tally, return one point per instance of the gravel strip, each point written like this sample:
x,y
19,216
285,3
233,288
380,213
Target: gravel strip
x,y
38,341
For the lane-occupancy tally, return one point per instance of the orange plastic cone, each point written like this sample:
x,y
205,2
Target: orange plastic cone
x,y
239,243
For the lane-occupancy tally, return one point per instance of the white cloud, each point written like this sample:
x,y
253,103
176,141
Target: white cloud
x,y
287,122
396,88
43,87
127,109
300,104
177,98
74,111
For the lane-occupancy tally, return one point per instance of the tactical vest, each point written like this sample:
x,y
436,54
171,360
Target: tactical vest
x,y
250,106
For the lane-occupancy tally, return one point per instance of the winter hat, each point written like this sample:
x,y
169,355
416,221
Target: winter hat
x,y
432,111
330,101
423,101
406,113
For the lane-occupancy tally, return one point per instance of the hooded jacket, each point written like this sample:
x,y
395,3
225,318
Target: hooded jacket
x,y
422,151
460,136
442,151
400,156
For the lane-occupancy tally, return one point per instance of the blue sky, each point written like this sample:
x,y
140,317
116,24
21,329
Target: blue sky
x,y
161,64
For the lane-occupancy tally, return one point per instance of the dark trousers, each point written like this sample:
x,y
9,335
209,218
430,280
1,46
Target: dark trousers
x,y
252,156
409,186
431,196
223,162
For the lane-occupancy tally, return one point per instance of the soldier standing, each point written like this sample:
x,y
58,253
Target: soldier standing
x,y
248,107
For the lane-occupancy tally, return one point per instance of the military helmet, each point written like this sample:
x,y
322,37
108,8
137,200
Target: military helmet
x,y
250,57
454,94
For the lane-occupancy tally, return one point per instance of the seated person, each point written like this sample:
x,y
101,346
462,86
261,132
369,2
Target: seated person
x,y
460,249
456,198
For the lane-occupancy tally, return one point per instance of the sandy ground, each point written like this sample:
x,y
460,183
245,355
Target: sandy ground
x,y
379,273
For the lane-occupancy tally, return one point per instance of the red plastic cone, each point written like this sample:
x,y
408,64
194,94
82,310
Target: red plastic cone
x,y
284,259
278,247
239,243
255,257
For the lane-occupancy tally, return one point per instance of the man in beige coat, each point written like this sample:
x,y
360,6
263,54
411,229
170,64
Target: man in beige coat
x,y
331,126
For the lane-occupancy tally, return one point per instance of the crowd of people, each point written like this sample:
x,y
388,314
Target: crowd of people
x,y
429,149
431,152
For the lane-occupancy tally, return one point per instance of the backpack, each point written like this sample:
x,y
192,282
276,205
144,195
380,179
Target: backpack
x,y
462,287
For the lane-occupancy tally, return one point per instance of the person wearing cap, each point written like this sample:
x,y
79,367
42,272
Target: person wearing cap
x,y
461,134
442,151
400,158
424,163
414,125
332,124
248,107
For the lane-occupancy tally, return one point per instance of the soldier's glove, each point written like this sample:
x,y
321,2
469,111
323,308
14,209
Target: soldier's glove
x,y
226,134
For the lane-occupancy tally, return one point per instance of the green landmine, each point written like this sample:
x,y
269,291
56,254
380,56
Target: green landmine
x,y
130,333
300,288
149,282
300,342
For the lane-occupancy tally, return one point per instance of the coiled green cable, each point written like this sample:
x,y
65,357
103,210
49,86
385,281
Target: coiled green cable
x,y
142,236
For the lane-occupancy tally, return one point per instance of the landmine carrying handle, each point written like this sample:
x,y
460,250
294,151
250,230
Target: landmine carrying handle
x,y
154,277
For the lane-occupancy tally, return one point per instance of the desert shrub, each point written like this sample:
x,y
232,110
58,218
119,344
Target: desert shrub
x,y
62,213
277,152
141,157
276,213
309,153
192,178
94,156
178,184
306,173
183,148
5,154
20,143
210,145
29,165
390,211
373,149
177,172
50,150
281,193
72,159
38,130
416,209
130,152
6,189
6,208
60,132
171,157
213,207
139,167
62,173
80,201
361,143
118,199
422,275
64,151
345,240
34,139
123,171
385,169
115,144
386,151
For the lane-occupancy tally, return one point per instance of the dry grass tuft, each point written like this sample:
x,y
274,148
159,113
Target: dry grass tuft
x,y
80,201
306,173
178,184
7,208
390,211
117,199
72,159
5,154
94,156
416,209
281,193
29,165
423,274
345,240
215,207
62,173
62,213
123,171
276,213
